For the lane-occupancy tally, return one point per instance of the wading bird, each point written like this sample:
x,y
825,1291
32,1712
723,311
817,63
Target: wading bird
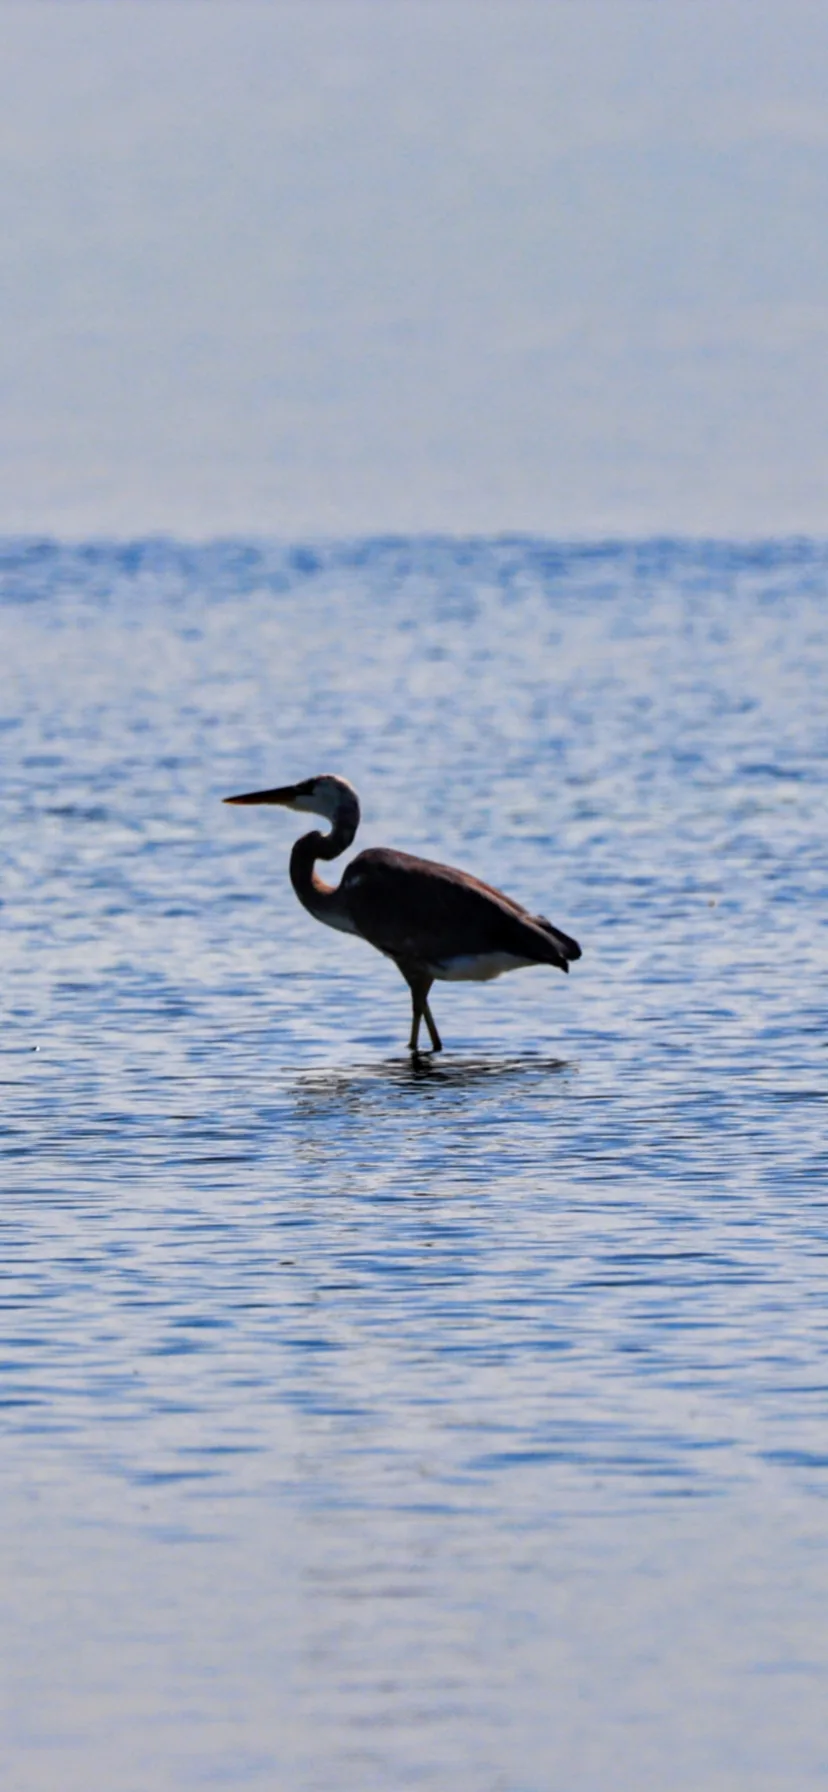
x,y
436,923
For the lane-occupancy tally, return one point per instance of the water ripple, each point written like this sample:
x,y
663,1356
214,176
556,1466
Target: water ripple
x,y
373,1421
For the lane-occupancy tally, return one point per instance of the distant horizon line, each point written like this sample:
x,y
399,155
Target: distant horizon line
x,y
27,538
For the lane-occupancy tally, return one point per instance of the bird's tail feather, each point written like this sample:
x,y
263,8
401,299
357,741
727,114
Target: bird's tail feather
x,y
569,948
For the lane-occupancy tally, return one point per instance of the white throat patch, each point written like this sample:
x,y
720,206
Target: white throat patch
x,y
324,800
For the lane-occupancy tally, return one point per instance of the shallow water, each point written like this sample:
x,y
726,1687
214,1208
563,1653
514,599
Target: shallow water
x,y
372,1423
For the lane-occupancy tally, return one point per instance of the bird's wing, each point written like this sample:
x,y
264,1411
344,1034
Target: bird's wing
x,y
414,909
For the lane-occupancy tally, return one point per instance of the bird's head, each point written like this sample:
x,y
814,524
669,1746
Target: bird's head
x,y
327,795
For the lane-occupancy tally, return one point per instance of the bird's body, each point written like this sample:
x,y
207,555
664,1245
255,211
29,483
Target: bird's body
x,y
436,923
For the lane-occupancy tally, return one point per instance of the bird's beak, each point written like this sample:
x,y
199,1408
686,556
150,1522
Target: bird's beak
x,y
286,796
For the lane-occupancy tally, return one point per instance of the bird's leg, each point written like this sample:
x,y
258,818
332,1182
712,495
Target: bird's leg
x,y
436,1041
419,986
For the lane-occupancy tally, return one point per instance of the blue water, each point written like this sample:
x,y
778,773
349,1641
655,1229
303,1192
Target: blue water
x,y
368,1423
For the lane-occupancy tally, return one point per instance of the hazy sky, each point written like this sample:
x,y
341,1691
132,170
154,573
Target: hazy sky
x,y
371,265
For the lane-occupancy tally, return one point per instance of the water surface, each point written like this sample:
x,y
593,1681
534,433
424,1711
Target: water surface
x,y
371,1423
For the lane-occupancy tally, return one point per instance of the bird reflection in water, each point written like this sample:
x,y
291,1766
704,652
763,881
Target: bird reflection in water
x,y
366,1088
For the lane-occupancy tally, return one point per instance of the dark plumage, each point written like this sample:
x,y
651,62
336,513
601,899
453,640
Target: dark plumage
x,y
435,922
415,908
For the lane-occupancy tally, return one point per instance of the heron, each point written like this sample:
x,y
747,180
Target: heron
x,y
436,923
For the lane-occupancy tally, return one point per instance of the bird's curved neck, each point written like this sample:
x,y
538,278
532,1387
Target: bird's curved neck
x,y
320,898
